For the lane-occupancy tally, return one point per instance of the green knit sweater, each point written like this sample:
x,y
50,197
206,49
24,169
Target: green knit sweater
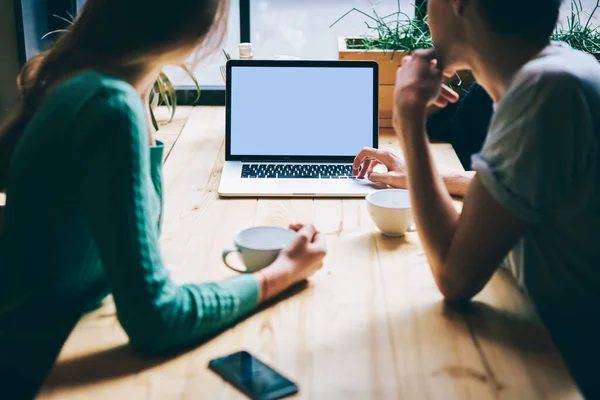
x,y
82,220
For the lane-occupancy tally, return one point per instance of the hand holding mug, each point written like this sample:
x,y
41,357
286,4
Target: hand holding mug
x,y
279,257
296,262
305,253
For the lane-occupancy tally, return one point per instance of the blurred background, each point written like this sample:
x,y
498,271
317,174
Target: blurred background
x,y
298,28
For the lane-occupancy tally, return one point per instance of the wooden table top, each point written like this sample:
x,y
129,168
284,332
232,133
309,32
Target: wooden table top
x,y
371,324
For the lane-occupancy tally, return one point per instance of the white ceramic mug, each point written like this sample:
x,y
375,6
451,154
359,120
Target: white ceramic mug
x,y
391,211
259,246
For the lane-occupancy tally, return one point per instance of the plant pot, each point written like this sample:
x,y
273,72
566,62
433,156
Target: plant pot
x,y
388,62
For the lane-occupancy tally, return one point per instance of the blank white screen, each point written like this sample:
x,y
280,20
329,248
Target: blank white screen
x,y
301,111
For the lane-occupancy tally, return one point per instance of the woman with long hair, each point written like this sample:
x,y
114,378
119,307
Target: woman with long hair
x,y
81,172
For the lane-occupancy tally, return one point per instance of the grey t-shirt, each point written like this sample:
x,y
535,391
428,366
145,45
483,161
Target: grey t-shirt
x,y
540,161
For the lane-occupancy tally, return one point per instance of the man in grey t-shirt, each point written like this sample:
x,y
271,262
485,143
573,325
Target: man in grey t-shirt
x,y
540,161
534,203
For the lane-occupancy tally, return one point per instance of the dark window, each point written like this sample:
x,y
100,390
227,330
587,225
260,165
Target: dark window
x,y
34,19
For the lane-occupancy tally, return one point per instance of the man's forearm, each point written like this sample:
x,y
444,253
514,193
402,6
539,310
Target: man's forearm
x,y
433,211
457,183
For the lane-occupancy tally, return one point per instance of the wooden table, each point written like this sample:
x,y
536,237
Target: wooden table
x,y
370,325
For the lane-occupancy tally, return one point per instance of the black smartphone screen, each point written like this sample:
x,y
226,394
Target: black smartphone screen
x,y
253,377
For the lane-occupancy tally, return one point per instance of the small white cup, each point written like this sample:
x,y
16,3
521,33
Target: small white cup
x,y
391,211
259,246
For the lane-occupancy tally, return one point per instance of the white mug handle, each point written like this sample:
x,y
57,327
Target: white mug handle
x,y
227,252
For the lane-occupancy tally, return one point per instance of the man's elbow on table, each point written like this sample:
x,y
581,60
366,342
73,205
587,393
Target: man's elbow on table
x,y
456,288
457,183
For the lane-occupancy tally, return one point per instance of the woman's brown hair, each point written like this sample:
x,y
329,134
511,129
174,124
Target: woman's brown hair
x,y
112,33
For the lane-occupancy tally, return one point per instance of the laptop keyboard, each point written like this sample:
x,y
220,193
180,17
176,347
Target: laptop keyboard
x,y
298,171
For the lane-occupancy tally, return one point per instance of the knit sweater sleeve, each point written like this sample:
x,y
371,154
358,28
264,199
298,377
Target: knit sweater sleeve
x,y
122,203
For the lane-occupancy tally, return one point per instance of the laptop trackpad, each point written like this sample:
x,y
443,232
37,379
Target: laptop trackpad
x,y
327,186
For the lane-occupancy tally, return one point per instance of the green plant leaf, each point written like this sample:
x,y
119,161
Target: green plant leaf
x,y
400,34
171,93
191,75
67,20
53,33
163,98
154,123
353,10
578,35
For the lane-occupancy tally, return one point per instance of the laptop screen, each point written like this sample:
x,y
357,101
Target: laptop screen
x,y
301,109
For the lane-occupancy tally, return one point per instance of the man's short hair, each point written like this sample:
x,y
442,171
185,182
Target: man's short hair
x,y
530,19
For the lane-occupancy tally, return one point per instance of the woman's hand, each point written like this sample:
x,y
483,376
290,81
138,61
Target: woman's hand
x,y
306,252
419,83
298,261
369,158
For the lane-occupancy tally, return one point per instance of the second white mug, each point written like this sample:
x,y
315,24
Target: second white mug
x,y
391,211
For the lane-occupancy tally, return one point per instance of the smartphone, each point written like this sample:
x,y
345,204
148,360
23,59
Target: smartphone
x,y
253,377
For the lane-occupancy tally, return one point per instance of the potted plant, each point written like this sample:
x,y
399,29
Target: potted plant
x,y
579,33
164,93
394,36
397,34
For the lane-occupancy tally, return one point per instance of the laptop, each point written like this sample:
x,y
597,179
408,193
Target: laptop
x,y
293,128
